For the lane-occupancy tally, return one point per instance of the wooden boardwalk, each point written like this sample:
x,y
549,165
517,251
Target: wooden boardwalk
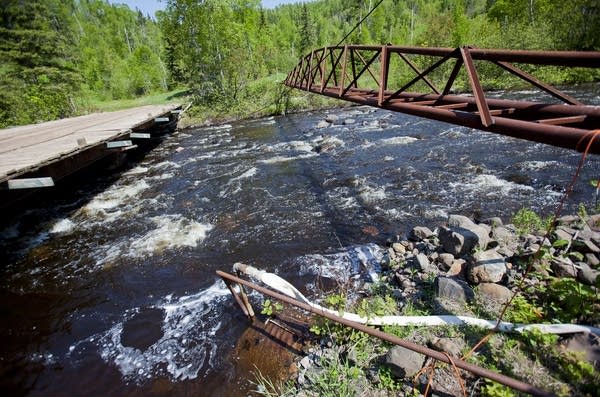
x,y
28,148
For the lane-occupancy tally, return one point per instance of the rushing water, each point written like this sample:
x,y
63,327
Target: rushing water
x,y
113,291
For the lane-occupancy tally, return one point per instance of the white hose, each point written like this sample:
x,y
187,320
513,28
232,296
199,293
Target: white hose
x,y
281,285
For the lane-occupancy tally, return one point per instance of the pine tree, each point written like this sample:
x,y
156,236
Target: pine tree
x,y
37,72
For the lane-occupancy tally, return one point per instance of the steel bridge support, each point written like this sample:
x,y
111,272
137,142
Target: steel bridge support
x,y
362,74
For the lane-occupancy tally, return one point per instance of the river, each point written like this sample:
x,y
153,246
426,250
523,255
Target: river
x,y
111,289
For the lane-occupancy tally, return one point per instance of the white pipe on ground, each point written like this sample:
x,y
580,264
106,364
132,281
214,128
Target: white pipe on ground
x,y
284,287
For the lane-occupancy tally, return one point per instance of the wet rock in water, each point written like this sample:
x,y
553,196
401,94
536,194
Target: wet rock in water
x,y
144,329
495,292
349,121
419,233
403,363
331,118
486,267
453,289
457,241
322,124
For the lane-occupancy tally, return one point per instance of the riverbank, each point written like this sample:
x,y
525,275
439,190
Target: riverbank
x,y
465,268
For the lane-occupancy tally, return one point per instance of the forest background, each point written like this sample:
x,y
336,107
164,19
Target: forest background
x,y
61,58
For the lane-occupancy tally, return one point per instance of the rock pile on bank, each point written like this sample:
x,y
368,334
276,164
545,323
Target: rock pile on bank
x,y
464,263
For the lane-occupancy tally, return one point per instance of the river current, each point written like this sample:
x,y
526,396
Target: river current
x,y
111,289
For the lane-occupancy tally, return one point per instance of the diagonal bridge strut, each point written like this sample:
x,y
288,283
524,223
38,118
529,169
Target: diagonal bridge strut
x,y
368,75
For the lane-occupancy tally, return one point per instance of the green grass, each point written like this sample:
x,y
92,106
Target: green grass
x,y
94,104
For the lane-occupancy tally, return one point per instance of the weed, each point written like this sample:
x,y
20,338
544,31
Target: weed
x,y
268,388
527,221
523,311
493,389
269,308
387,380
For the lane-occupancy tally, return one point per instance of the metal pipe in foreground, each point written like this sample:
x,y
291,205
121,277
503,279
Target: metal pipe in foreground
x,y
503,379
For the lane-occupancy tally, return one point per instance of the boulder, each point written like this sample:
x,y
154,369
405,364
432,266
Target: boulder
x,y
563,267
331,118
457,241
403,363
457,268
587,275
399,248
446,260
592,260
419,233
322,124
586,246
481,231
453,289
486,267
422,263
496,292
452,346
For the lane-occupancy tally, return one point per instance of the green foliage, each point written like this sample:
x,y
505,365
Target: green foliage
x,y
569,300
338,378
387,380
269,308
523,312
493,389
527,221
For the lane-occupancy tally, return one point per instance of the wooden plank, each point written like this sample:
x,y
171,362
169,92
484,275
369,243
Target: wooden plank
x,y
28,147
30,183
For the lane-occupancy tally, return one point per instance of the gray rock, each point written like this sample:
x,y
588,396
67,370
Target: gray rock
x,y
422,263
586,246
481,231
496,292
453,289
452,346
561,234
457,241
563,267
331,118
592,260
587,275
349,121
419,233
486,267
457,268
493,222
446,260
568,219
322,124
403,363
399,248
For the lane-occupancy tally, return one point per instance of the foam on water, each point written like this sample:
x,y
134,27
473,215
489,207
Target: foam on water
x,y
172,231
283,159
537,165
114,197
136,171
397,140
490,185
62,226
186,346
343,265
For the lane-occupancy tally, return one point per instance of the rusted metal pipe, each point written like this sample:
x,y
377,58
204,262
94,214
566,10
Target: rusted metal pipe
x,y
479,371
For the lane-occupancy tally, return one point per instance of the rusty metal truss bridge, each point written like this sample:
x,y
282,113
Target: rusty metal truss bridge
x,y
382,76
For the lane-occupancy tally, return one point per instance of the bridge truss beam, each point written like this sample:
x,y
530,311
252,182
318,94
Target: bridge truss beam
x,y
361,74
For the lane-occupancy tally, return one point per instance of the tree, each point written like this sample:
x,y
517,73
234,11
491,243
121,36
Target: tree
x,y
37,74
